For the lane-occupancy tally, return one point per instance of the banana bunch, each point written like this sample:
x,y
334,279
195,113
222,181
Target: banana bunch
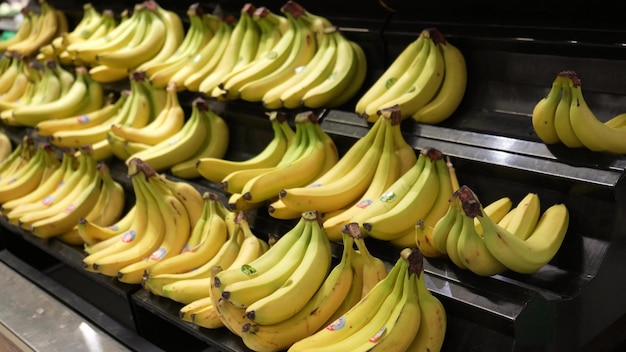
x,y
292,270
350,280
563,116
65,191
161,222
363,173
29,18
311,154
24,168
500,237
149,33
92,25
37,30
398,314
427,80
177,148
294,60
217,169
203,37
78,95
6,146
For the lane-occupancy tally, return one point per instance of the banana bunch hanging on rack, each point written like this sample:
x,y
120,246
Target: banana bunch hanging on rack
x,y
149,33
38,30
427,80
490,240
155,229
563,116
92,25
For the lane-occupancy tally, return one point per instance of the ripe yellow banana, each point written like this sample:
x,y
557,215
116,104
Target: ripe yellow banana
x,y
562,123
526,256
216,169
311,317
593,133
451,91
207,59
525,216
543,115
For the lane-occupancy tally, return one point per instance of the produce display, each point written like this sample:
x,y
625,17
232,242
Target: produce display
x,y
563,116
316,286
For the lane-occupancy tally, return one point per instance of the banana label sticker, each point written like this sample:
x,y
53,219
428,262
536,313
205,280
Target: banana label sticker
x,y
70,209
315,184
83,119
390,82
128,236
191,249
248,270
364,203
337,324
114,227
13,179
47,200
158,254
388,197
378,335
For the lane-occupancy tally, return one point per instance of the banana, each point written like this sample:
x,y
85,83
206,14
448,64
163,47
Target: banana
x,y
83,121
231,316
116,38
147,240
399,67
411,207
79,205
497,211
177,228
23,31
214,145
525,256
309,319
207,59
226,256
266,262
45,187
433,320
242,294
289,93
525,216
174,36
103,73
593,133
203,242
373,269
216,169
387,172
45,29
303,48
61,199
424,87
166,123
300,171
345,79
424,227
301,285
402,324
452,89
27,178
339,192
382,298
148,40
186,193
72,103
232,82
230,57
472,251
202,313
9,74
189,290
562,122
6,146
182,145
543,115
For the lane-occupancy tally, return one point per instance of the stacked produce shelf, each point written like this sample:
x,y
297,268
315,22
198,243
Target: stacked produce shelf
x,y
567,305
